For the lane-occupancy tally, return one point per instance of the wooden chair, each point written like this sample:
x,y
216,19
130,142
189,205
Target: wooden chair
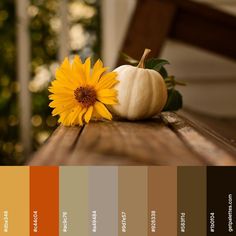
x,y
193,23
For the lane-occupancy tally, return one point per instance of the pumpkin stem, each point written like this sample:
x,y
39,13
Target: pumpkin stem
x,y
141,63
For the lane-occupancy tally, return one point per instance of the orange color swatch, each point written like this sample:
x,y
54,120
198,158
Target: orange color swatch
x,y
44,201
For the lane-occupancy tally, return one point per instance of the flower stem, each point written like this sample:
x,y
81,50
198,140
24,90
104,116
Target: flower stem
x,y
141,63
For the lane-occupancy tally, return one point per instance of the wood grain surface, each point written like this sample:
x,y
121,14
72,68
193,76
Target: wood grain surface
x,y
211,148
166,140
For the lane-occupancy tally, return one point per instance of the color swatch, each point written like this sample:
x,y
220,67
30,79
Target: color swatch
x,y
162,200
117,201
73,200
192,201
103,200
221,204
14,201
133,204
44,201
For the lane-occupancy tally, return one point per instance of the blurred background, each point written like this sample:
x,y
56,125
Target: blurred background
x,y
31,46
35,35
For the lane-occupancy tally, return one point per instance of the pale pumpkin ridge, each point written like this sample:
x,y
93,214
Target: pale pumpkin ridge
x,y
164,93
159,94
127,95
142,85
131,93
152,92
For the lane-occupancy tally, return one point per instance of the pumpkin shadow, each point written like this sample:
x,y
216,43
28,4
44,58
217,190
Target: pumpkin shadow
x,y
156,118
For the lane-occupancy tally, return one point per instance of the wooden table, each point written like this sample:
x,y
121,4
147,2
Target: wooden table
x,y
169,139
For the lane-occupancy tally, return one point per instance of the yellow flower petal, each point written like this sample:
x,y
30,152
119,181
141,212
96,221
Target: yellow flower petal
x,y
72,117
66,76
61,105
62,80
62,108
60,98
63,117
107,81
107,93
66,64
95,114
61,92
87,68
96,76
81,115
107,84
98,70
78,95
97,66
62,85
108,101
69,117
102,110
88,114
78,71
77,60
66,70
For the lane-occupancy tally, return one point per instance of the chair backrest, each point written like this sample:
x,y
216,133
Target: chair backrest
x,y
194,23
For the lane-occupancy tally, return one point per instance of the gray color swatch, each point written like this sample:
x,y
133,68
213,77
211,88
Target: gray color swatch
x,y
103,201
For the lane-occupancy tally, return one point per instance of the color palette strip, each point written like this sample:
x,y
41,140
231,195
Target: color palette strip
x,y
105,201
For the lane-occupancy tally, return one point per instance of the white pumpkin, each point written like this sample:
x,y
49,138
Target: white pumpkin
x,y
142,93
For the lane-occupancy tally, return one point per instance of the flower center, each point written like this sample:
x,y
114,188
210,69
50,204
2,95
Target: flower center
x,y
86,96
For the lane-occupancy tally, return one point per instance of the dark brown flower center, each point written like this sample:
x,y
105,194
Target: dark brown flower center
x,y
86,96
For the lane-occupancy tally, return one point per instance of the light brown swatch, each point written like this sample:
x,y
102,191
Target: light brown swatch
x,y
132,218
162,199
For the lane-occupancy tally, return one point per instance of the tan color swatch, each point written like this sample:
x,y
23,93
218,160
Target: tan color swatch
x,y
14,201
132,218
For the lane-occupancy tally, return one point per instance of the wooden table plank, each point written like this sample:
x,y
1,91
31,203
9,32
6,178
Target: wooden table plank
x,y
203,144
125,143
116,143
223,127
57,148
166,140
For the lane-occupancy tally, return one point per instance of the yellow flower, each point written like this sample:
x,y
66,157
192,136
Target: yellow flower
x,y
79,93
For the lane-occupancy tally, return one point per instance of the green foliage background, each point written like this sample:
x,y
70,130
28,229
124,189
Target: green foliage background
x,y
44,53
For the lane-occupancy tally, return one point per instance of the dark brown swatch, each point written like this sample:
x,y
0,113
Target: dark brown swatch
x,y
192,194
221,203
